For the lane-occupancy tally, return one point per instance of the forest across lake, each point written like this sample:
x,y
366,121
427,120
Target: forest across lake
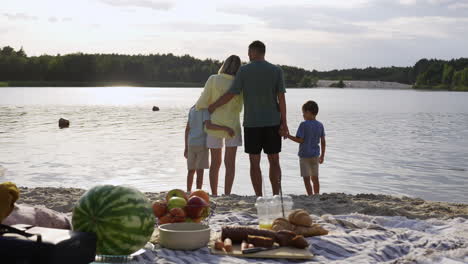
x,y
167,70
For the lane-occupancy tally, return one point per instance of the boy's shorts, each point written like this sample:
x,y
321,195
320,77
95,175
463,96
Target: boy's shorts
x,y
266,138
197,158
309,167
215,142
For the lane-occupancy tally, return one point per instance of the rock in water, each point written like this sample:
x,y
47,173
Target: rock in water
x,y
155,108
63,123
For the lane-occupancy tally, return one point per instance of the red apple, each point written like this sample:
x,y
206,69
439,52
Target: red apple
x,y
159,208
177,212
166,219
195,207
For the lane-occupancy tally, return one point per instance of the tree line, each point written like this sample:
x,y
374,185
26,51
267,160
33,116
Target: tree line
x,y
440,74
79,69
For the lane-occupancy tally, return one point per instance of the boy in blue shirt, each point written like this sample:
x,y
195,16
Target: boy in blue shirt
x,y
195,150
309,134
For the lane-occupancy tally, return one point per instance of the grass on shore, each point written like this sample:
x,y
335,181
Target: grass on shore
x,y
3,84
441,87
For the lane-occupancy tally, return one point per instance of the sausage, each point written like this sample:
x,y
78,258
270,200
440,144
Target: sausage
x,y
239,233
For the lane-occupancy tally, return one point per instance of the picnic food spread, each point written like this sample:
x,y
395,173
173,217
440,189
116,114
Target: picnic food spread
x,y
121,217
178,207
282,241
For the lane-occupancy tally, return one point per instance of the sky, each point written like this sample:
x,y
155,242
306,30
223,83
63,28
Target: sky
x,y
314,34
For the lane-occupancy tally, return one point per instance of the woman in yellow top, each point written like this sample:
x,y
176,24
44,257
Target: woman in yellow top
x,y
227,115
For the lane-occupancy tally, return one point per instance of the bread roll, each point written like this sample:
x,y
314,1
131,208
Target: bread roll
x,y
282,224
300,217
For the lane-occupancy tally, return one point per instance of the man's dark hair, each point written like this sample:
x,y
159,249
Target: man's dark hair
x,y
311,106
258,46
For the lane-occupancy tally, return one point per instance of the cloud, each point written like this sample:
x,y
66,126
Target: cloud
x,y
66,19
52,19
459,5
411,28
200,27
343,19
20,16
155,5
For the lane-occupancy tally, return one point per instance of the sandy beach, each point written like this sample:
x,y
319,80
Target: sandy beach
x,y
63,200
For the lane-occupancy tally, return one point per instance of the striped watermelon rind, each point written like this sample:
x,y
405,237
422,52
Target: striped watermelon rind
x,y
121,217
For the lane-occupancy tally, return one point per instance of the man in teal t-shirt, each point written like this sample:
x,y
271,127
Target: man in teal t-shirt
x,y
262,86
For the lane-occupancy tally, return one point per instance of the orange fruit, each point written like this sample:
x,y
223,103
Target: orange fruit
x,y
202,194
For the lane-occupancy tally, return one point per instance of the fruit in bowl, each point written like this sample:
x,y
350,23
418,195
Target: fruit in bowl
x,y
159,208
178,214
195,207
175,193
176,202
176,209
202,194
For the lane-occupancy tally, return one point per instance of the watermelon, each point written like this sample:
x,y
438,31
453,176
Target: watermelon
x,y
121,217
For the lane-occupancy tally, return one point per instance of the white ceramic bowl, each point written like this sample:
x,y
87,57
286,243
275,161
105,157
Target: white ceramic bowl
x,y
184,236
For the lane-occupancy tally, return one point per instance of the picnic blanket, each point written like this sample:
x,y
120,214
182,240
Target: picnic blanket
x,y
354,238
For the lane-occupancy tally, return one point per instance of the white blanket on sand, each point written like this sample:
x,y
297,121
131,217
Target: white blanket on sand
x,y
354,238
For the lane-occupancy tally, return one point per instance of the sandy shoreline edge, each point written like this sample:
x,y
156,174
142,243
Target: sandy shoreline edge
x,y
64,199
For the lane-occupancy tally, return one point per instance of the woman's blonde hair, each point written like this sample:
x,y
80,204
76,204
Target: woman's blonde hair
x,y
231,65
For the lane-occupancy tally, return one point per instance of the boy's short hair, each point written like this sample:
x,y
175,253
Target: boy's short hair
x,y
258,46
311,106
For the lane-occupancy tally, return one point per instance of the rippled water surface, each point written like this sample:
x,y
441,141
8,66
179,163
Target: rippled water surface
x,y
400,142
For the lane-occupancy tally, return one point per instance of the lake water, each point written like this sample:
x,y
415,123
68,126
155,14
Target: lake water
x,y
399,142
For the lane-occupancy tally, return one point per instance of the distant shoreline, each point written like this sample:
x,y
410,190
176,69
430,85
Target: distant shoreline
x,y
320,84
349,84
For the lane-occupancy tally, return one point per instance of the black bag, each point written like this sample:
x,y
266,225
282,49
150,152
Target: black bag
x,y
25,244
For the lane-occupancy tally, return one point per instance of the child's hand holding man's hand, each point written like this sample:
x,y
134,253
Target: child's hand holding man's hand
x,y
321,159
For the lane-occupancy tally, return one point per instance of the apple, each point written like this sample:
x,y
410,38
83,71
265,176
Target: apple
x,y
166,219
159,208
195,207
176,202
177,212
176,193
202,194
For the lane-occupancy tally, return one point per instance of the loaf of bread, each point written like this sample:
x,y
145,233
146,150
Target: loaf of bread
x,y
300,217
314,230
239,233
260,241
